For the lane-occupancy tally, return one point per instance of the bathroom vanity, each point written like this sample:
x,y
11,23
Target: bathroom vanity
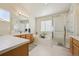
x,y
13,46
25,36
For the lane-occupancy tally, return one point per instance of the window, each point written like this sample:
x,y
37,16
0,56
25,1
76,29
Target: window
x,y
4,15
46,25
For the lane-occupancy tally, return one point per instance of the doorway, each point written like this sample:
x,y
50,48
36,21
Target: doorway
x,y
44,28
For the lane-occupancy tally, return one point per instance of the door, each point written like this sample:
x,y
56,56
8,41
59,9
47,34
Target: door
x,y
46,28
59,23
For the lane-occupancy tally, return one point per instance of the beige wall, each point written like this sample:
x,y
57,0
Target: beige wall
x,y
77,18
73,19
72,22
4,28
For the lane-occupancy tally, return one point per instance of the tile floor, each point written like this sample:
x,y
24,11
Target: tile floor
x,y
47,47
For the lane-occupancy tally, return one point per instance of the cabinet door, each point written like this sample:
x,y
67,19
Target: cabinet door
x,y
75,50
71,43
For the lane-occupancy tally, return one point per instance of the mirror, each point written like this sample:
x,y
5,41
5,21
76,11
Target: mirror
x,y
21,26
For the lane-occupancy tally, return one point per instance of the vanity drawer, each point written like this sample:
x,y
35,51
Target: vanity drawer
x,y
23,36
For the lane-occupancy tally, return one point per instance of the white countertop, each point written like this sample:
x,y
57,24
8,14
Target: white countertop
x,y
20,33
75,37
9,42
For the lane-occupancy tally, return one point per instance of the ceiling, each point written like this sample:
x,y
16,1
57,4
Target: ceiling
x,y
39,9
42,9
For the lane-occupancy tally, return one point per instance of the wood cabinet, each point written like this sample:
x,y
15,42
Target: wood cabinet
x,y
26,36
19,51
75,50
74,47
